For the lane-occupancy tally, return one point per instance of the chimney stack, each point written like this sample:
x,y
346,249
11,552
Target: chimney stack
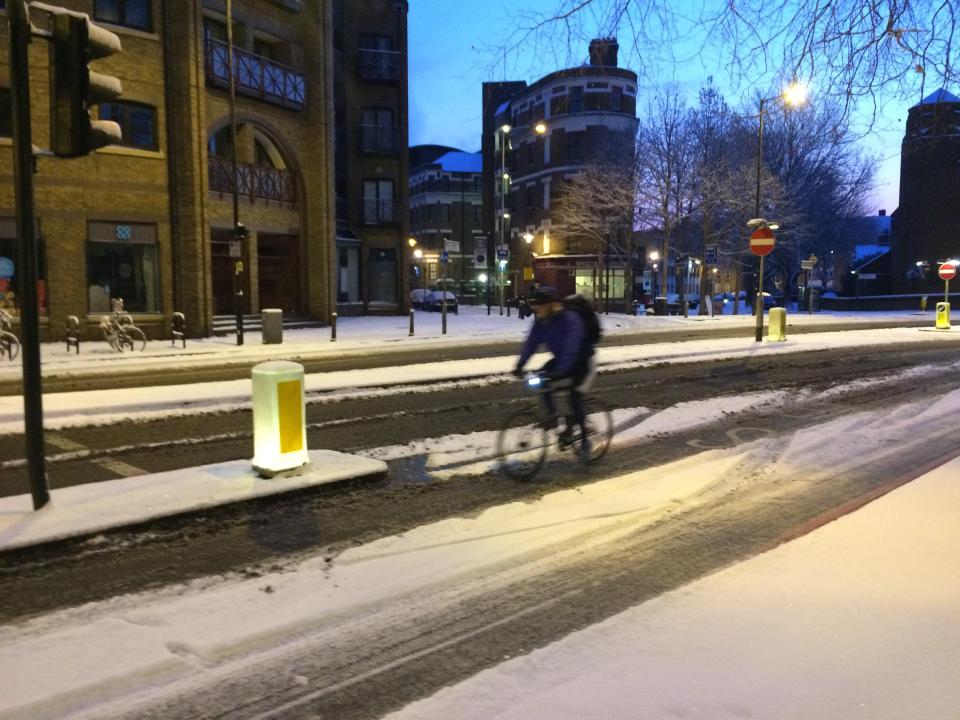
x,y
603,52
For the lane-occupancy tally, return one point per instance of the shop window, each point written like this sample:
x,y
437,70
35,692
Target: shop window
x,y
9,264
122,263
138,123
6,113
383,275
132,13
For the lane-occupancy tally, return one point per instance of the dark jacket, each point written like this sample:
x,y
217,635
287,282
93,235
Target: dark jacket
x,y
562,333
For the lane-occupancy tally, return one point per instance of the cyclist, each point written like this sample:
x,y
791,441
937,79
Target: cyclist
x,y
572,365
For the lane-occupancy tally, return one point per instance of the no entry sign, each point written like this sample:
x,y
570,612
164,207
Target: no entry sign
x,y
948,271
762,241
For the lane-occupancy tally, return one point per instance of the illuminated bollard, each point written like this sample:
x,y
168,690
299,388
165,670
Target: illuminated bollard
x,y
279,418
777,332
943,316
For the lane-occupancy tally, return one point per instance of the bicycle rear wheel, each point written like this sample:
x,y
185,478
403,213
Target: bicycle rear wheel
x,y
134,337
599,432
522,444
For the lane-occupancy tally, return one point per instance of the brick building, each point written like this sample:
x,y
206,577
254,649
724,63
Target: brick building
x,y
925,225
544,133
446,203
372,165
151,221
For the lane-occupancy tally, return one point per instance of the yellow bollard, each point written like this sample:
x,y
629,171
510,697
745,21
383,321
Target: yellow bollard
x,y
279,418
777,331
943,316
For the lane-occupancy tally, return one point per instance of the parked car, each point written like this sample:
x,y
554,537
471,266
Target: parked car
x,y
419,298
434,301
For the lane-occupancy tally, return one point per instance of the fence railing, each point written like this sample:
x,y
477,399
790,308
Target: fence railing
x,y
379,139
380,212
382,65
253,181
255,76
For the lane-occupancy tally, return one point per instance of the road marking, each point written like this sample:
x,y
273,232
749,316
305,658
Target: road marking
x,y
119,467
58,441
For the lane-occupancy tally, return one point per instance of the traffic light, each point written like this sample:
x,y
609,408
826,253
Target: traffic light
x,y
77,41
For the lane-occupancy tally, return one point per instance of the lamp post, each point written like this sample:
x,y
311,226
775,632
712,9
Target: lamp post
x,y
503,183
793,95
239,231
415,254
654,256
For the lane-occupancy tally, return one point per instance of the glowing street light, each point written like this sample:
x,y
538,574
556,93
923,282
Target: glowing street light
x,y
540,128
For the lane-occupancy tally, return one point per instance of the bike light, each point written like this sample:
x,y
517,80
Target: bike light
x,y
534,381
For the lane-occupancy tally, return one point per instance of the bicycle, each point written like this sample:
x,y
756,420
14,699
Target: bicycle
x,y
120,332
9,343
527,436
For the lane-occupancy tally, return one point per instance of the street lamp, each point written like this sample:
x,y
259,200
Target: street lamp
x,y
503,216
793,95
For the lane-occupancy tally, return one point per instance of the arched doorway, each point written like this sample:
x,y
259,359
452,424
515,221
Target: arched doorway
x,y
267,193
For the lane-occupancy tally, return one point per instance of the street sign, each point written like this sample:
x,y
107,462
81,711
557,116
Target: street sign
x,y
762,241
235,249
807,265
502,253
710,255
451,245
444,256
948,271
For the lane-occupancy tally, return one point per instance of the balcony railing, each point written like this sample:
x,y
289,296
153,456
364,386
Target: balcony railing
x,y
379,139
255,76
254,182
380,212
381,65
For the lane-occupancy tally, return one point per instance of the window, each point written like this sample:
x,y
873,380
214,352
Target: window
x,y
576,99
265,49
558,105
378,203
219,145
132,13
478,213
9,263
6,113
138,123
616,98
122,263
376,42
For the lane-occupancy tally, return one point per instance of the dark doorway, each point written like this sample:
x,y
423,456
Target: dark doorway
x,y
278,265
221,274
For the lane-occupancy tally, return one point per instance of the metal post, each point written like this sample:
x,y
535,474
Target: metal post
x,y
443,301
759,299
23,169
503,209
410,334
606,286
946,291
238,231
759,303
333,327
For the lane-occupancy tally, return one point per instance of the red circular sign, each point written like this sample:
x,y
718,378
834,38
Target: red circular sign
x,y
948,271
762,241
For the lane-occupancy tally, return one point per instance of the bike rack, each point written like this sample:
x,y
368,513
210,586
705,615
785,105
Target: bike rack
x,y
73,333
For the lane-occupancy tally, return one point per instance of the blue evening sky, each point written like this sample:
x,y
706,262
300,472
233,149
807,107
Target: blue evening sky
x,y
450,45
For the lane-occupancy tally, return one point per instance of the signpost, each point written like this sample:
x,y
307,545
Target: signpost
x,y
807,265
947,272
444,260
762,241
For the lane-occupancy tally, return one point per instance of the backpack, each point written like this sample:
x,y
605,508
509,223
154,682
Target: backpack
x,y
591,323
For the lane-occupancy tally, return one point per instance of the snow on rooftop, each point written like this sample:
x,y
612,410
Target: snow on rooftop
x,y
461,162
940,96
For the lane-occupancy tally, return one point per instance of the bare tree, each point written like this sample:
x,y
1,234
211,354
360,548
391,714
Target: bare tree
x,y
855,50
596,209
665,170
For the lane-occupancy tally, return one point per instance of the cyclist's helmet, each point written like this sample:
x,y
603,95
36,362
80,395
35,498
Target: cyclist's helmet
x,y
544,295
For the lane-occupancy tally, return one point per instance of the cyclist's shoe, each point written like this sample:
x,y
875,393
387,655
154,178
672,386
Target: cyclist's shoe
x,y
565,438
584,452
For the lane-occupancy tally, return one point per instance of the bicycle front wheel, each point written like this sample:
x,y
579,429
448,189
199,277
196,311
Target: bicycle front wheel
x,y
599,431
10,344
134,337
522,444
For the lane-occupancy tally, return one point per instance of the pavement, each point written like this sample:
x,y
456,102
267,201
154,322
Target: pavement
x,y
85,511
